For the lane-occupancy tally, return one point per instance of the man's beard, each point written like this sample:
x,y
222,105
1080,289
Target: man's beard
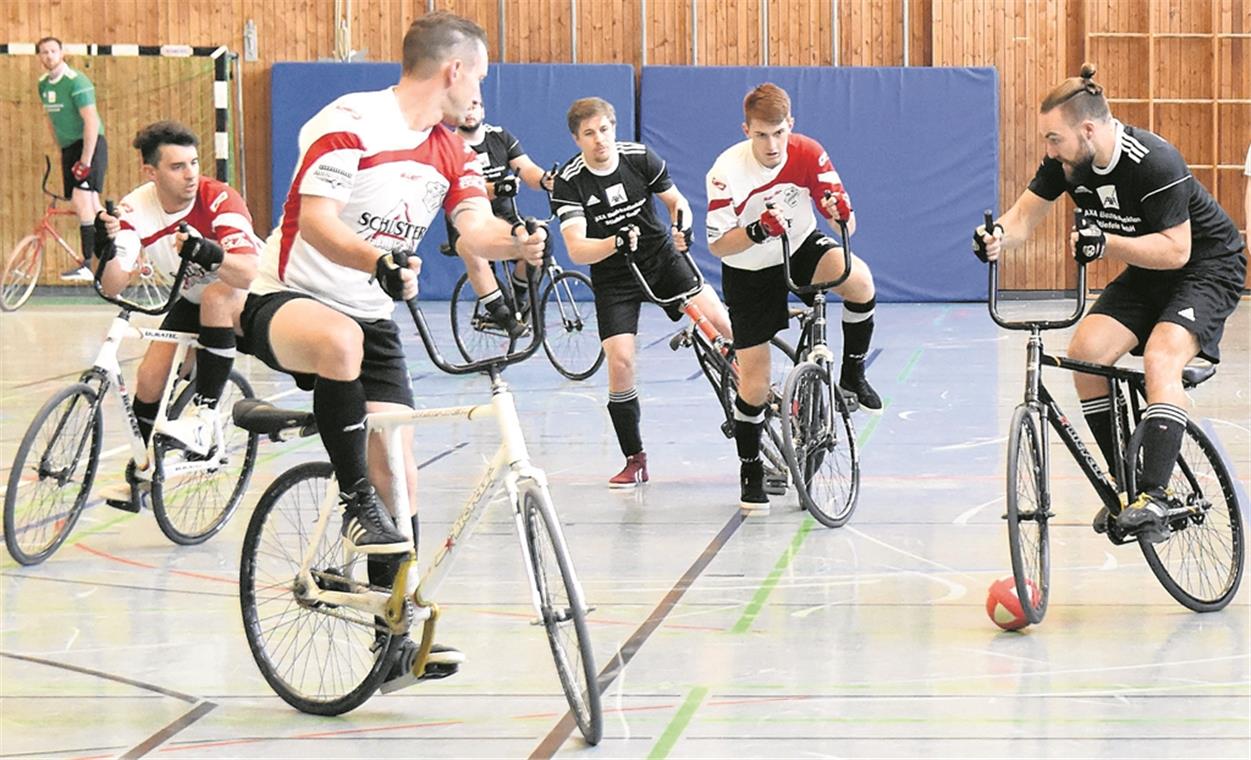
x,y
1078,171
469,129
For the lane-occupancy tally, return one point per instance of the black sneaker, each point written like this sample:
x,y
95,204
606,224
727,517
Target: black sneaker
x,y
857,384
367,528
752,496
499,312
1146,516
443,661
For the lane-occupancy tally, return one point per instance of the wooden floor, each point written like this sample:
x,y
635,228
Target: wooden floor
x,y
766,636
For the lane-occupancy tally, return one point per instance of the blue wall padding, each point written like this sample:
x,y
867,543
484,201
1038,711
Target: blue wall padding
x,y
917,148
530,100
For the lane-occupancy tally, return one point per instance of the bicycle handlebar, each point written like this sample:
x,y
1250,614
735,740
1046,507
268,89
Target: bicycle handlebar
x,y
491,364
680,298
1052,324
47,172
803,290
175,289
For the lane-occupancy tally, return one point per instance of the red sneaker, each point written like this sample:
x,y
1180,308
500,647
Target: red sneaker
x,y
634,473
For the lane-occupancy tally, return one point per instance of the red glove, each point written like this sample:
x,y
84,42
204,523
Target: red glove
x,y
772,222
842,202
80,170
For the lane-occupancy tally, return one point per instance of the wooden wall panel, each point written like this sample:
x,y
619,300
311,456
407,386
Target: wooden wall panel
x,y
1033,43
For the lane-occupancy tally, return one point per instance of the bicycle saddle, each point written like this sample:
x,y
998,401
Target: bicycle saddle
x,y
1194,374
257,416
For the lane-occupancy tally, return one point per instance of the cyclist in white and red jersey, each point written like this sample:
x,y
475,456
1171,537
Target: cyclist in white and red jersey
x,y
759,190
223,265
374,170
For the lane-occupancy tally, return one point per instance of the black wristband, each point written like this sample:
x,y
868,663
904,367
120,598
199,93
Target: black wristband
x,y
756,232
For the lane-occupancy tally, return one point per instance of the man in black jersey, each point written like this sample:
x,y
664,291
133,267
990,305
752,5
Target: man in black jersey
x,y
500,155
603,199
1186,267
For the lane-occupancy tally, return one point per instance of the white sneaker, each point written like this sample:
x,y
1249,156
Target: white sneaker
x,y
81,274
195,428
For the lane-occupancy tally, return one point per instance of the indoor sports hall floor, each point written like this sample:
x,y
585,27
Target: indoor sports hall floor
x,y
769,636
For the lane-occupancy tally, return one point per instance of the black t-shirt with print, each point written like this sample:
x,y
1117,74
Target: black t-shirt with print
x,y
1146,187
495,153
612,200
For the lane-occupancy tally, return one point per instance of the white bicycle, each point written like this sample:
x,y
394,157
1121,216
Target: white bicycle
x,y
322,636
193,497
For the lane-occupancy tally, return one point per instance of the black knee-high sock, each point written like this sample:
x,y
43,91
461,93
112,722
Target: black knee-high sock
x,y
145,412
1160,444
748,420
87,235
857,333
215,361
624,409
1098,414
339,408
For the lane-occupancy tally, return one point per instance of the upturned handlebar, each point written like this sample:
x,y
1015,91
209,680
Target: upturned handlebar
x,y
175,289
803,290
1034,324
492,364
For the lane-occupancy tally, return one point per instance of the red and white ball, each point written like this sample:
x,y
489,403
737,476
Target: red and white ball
x,y
1003,606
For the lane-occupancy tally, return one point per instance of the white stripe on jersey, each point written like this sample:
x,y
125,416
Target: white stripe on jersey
x,y
1162,189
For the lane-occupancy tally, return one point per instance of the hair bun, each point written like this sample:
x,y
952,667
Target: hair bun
x,y
1088,71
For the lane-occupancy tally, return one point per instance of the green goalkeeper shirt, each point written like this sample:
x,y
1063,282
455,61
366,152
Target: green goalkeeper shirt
x,y
62,99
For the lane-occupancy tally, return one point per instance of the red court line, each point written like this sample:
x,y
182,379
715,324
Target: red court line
x,y
146,566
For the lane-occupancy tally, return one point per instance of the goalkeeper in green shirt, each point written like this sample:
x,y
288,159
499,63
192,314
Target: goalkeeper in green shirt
x,y
69,99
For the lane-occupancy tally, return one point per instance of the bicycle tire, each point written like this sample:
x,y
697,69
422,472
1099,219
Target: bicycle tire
x,y
562,613
1028,502
475,335
32,511
21,273
1201,563
149,286
819,442
193,508
317,662
571,332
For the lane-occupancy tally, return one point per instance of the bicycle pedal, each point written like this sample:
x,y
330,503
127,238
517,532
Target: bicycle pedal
x,y
125,506
776,486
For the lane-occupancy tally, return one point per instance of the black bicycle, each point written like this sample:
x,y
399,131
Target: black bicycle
x,y
1200,563
567,307
819,437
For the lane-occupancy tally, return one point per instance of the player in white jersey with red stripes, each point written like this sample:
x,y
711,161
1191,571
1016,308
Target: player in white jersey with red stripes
x,y
223,265
374,170
759,190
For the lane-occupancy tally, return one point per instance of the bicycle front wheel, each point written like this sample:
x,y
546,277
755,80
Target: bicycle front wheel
x,y
819,442
194,497
21,273
319,658
563,610
1028,513
571,334
148,286
52,474
1201,563
476,335
772,445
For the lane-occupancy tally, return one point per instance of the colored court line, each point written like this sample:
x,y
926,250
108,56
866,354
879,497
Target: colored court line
x,y
679,723
762,593
912,363
106,676
766,588
561,732
168,732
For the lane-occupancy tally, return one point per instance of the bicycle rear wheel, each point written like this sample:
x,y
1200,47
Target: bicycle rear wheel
x,y
1201,563
563,610
193,505
571,334
21,273
52,474
318,658
1028,513
819,442
476,335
